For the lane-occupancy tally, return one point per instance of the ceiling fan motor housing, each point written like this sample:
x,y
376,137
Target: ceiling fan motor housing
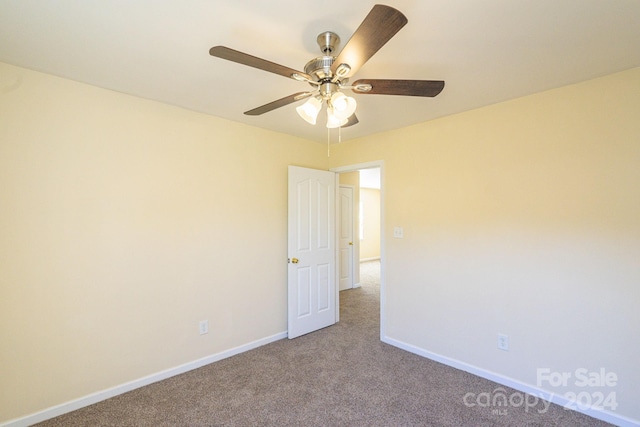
x,y
320,68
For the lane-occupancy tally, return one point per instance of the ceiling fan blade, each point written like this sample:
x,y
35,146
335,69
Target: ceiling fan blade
x,y
255,62
400,87
279,103
353,120
379,26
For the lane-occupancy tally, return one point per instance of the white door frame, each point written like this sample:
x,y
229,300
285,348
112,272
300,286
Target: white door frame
x,y
353,168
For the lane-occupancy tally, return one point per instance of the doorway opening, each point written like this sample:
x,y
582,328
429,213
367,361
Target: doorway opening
x,y
366,227
369,225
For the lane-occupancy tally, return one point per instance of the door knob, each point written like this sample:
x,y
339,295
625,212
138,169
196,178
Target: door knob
x,y
351,243
295,260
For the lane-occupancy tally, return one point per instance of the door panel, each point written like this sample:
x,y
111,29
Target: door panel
x,y
324,288
346,251
303,215
311,268
304,292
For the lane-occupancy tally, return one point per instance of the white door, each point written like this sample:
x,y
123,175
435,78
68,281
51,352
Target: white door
x,y
345,232
311,245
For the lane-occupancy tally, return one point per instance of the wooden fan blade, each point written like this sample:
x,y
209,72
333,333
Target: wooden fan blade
x,y
255,62
400,87
379,26
353,120
279,103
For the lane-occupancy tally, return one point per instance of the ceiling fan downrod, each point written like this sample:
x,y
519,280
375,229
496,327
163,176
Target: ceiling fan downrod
x,y
328,42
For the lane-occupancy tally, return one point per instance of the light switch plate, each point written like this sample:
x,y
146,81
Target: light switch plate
x,y
203,327
398,232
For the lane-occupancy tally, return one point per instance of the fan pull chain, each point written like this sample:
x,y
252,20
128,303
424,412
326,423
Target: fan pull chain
x,y
329,139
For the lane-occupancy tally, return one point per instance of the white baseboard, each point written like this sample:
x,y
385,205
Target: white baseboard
x,y
141,382
602,415
91,399
376,258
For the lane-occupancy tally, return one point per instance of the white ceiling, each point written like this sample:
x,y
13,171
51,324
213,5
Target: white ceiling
x,y
487,51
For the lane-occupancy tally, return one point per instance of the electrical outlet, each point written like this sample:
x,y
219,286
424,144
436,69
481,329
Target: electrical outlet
x,y
204,327
503,342
398,232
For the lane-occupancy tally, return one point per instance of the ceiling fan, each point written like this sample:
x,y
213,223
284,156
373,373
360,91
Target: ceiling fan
x,y
329,74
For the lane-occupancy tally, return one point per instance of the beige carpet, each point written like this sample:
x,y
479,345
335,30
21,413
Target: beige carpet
x,y
339,376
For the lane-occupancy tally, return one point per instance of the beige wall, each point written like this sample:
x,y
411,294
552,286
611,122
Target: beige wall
x,y
521,218
370,244
124,222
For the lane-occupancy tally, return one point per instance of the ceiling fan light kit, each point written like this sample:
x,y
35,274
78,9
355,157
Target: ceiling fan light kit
x,y
341,107
333,120
329,74
309,110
